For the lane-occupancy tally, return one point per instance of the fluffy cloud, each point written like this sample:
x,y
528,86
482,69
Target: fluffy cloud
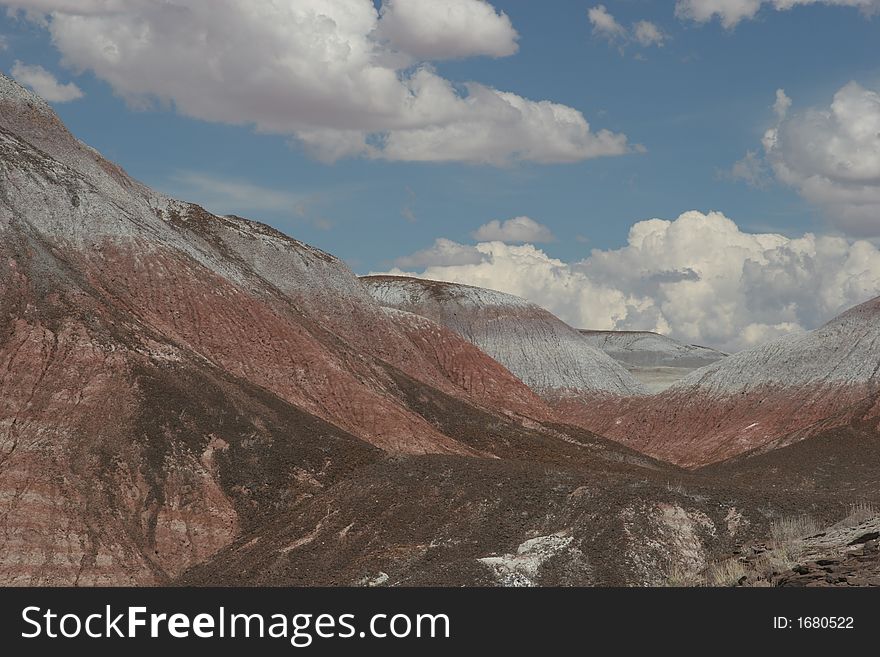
x,y
698,278
645,33
497,128
731,12
431,30
518,229
330,73
80,7
45,83
443,253
831,155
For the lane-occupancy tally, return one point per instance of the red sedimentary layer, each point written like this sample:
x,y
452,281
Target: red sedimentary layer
x,y
166,375
691,428
78,506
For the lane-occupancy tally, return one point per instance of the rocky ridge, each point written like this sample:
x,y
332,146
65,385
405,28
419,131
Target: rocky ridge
x,y
545,353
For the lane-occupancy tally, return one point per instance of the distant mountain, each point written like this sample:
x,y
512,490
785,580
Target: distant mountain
x,y
549,356
655,360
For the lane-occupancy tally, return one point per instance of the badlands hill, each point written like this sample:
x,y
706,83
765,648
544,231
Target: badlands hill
x,y
545,353
655,360
171,380
167,375
774,394
194,398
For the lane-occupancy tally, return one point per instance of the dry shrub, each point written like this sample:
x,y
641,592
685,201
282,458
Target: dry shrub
x,y
787,530
677,577
725,573
776,561
859,513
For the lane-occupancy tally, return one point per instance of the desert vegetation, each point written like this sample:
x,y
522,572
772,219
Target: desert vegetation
x,y
791,541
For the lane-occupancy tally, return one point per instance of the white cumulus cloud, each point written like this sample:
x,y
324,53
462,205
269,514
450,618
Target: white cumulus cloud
x,y
444,253
45,83
518,229
782,104
731,12
81,7
831,155
331,74
698,278
431,30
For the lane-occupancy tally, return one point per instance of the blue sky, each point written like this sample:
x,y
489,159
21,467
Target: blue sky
x,y
696,104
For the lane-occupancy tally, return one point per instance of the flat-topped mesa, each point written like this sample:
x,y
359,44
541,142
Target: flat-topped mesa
x,y
651,349
654,359
549,356
780,391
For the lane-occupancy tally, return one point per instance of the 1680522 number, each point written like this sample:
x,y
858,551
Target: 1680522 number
x,y
825,622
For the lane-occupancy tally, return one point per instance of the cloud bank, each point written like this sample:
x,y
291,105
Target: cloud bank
x,y
340,77
698,278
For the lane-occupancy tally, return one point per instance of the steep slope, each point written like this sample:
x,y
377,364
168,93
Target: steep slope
x,y
546,354
143,341
239,293
469,368
655,360
788,389
124,459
